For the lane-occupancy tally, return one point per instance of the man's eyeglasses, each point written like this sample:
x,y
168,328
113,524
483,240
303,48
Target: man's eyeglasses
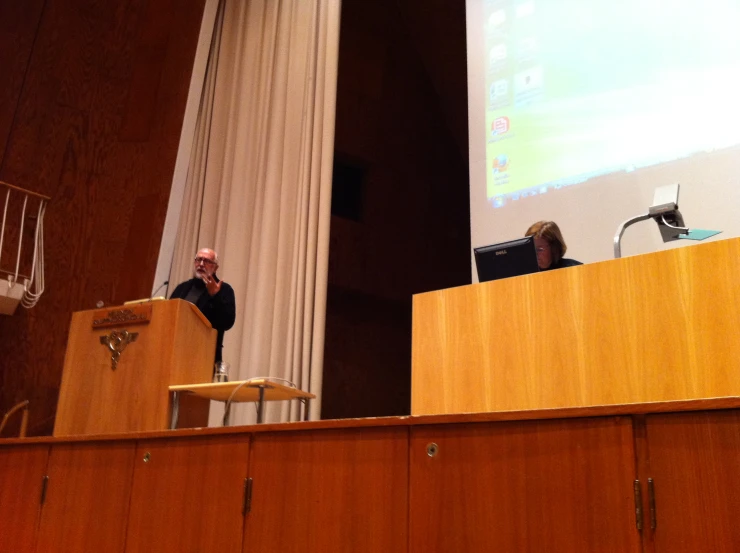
x,y
204,260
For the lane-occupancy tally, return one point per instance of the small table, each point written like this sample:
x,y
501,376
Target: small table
x,y
259,390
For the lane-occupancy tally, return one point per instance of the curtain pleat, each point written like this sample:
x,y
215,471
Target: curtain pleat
x,y
259,187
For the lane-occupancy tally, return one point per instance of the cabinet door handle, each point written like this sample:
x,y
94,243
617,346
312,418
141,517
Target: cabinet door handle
x,y
247,502
44,486
651,502
638,505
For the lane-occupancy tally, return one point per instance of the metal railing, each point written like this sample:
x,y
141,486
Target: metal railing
x,y
35,279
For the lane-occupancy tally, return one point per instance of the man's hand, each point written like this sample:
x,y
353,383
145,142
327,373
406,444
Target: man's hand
x,y
211,285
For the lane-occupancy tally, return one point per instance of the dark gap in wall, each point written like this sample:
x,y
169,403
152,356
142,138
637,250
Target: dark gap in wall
x,y
347,183
401,222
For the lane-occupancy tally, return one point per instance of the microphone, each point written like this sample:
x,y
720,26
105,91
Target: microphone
x,y
165,283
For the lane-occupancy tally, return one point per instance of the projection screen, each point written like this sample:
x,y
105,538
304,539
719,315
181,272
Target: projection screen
x,y
579,109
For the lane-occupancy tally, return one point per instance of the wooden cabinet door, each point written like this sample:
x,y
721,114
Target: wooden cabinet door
x,y
558,486
22,469
694,461
87,497
329,491
188,494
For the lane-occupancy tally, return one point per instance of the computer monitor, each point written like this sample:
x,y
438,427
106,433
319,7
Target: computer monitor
x,y
507,259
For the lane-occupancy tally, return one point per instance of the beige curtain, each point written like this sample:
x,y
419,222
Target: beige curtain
x,y
259,187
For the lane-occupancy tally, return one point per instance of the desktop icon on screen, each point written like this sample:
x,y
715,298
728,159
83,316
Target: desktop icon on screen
x,y
496,56
496,19
498,93
529,80
528,49
500,126
500,163
528,86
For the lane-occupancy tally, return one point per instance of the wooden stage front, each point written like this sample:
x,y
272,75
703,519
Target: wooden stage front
x,y
560,480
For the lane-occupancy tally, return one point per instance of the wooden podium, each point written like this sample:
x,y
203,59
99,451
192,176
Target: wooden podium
x,y
120,362
649,328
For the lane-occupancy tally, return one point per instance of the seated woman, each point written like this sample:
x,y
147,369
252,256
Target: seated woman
x,y
550,246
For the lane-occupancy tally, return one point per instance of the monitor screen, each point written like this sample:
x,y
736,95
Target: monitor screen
x,y
507,259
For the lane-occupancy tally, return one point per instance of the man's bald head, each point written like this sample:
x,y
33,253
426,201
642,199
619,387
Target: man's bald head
x,y
206,262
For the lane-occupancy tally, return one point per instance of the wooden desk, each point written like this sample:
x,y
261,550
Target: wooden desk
x,y
258,389
649,328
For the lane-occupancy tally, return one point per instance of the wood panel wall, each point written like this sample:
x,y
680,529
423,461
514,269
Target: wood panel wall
x,y
91,109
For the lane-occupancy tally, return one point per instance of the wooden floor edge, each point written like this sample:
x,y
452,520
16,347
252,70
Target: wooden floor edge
x,y
710,404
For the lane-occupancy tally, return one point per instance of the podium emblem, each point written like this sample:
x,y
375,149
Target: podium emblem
x,y
116,342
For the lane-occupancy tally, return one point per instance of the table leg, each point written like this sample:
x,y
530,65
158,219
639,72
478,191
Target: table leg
x,y
227,414
306,406
175,410
261,405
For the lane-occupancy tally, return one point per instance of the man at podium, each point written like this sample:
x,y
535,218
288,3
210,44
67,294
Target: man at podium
x,y
214,297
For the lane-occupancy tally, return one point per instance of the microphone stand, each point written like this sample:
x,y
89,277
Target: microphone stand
x,y
154,294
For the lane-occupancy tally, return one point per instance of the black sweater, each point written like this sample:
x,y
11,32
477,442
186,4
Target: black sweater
x,y
219,309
